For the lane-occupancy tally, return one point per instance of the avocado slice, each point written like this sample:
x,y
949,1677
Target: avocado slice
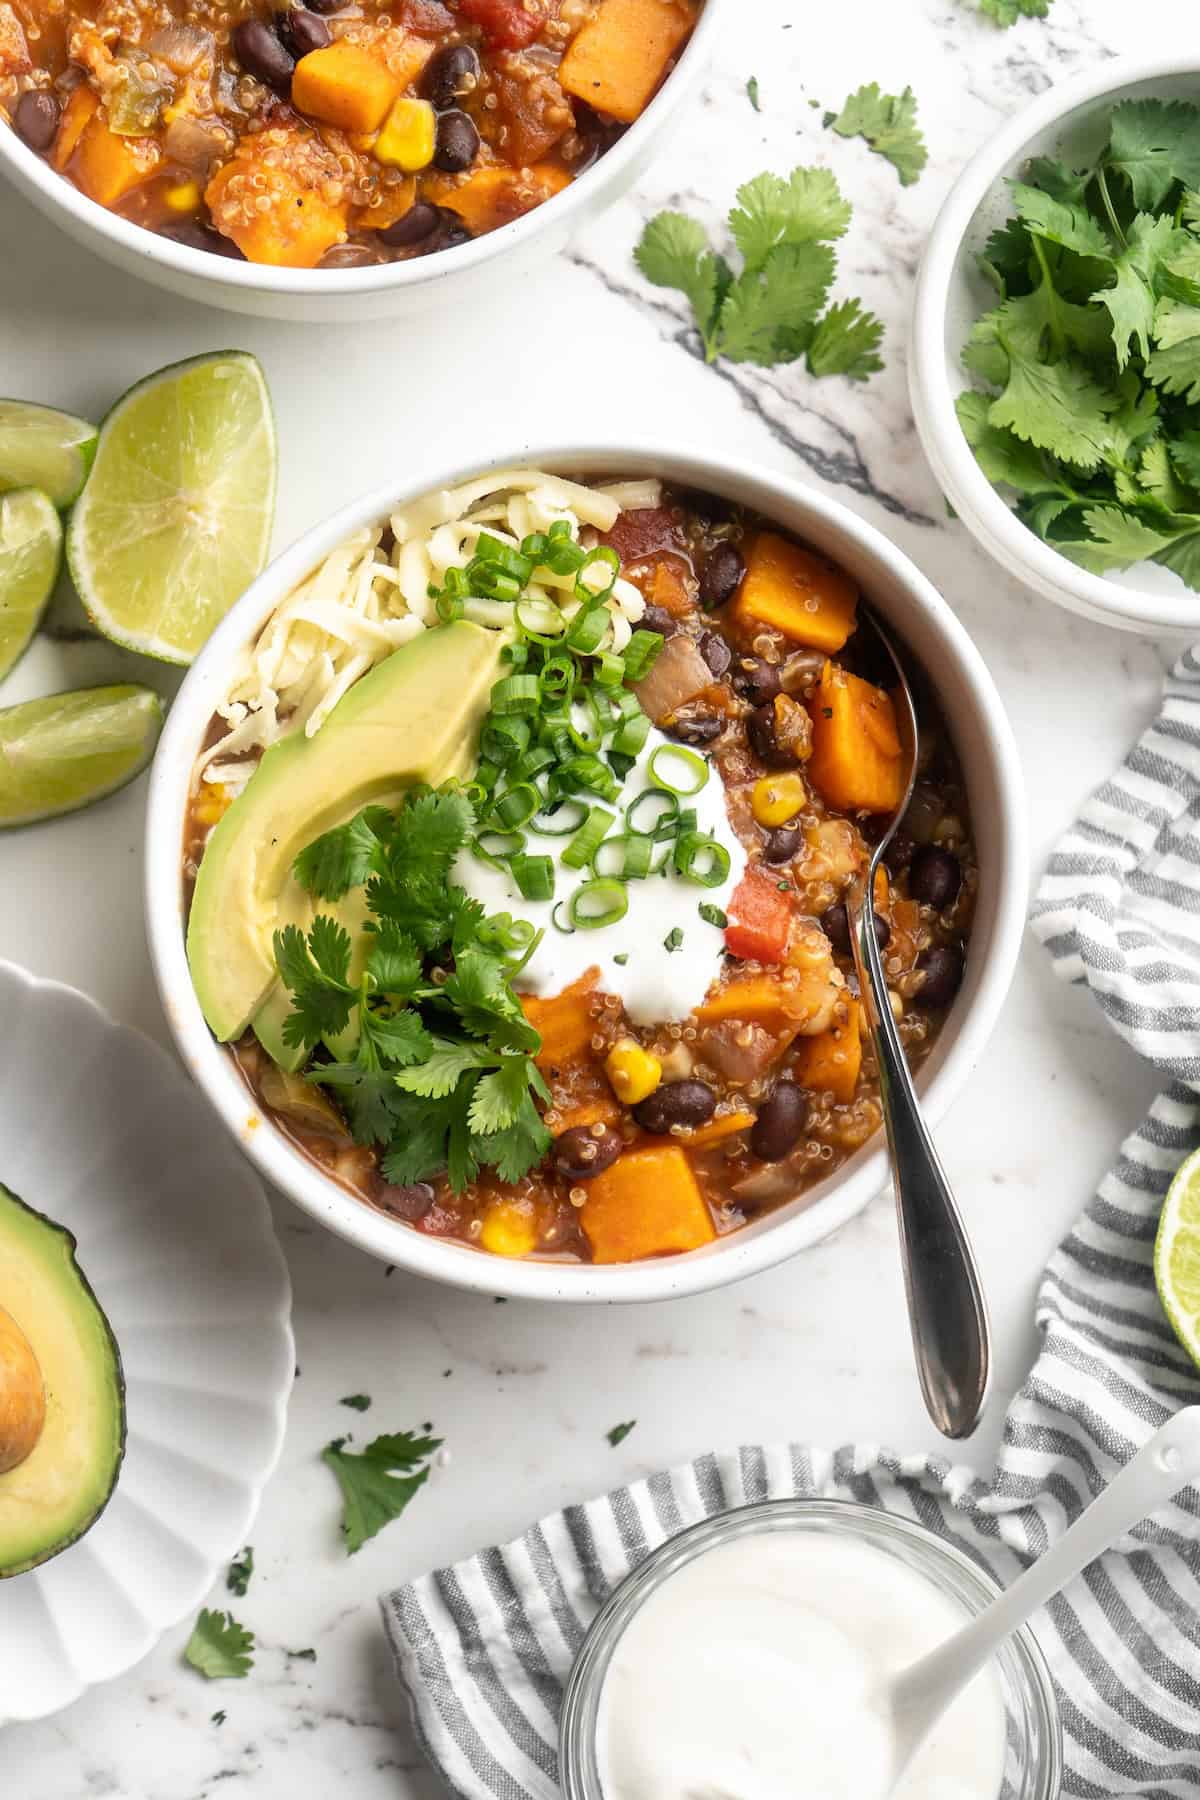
x,y
414,718
62,1393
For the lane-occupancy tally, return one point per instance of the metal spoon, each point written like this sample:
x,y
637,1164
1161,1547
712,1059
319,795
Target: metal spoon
x,y
916,1698
946,1307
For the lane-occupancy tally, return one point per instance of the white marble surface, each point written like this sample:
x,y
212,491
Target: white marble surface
x,y
817,1350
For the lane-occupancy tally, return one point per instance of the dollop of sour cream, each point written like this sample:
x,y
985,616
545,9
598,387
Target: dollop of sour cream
x,y
756,1672
654,982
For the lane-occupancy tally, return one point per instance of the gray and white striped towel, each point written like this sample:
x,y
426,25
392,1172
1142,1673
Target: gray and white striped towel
x,y
484,1648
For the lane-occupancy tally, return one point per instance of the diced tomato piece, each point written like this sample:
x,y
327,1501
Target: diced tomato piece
x,y
760,919
644,531
505,22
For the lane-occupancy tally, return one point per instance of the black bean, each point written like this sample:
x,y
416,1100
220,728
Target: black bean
x,y
657,618
451,236
676,1103
836,926
410,1202
301,31
349,256
934,876
780,1122
722,574
198,236
35,120
716,652
781,844
703,729
761,729
414,227
457,142
262,55
324,6
580,1153
755,680
942,966
450,72
899,852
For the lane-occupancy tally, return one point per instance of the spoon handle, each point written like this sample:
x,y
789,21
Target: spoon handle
x,y
1168,1462
946,1307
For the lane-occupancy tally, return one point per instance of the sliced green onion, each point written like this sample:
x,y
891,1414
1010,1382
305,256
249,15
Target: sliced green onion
x,y
535,759
605,560
496,847
688,762
701,859
627,704
515,655
557,677
502,740
563,827
504,932
609,669
562,556
490,551
588,734
595,904
634,852
582,847
449,607
588,772
587,628
631,738
534,875
479,789
534,546
514,968
515,807
557,922
492,583
641,653
515,694
664,823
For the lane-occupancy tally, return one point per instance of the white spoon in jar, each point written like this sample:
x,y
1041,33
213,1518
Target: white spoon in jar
x,y
916,1698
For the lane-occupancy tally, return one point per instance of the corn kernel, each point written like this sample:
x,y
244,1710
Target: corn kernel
x,y
408,136
778,798
633,1072
509,1229
185,198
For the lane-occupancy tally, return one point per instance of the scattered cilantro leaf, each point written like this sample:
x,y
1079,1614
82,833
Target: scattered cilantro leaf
x,y
217,1718
1006,12
889,124
359,1402
378,1483
752,93
322,1000
673,940
771,311
240,1570
341,859
301,1655
618,1433
219,1647
712,915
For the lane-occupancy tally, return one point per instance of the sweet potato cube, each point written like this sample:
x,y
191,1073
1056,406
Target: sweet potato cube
x,y
797,593
755,999
496,195
107,166
647,1204
857,760
580,1097
715,1132
294,232
565,1023
344,85
618,59
830,1062
78,114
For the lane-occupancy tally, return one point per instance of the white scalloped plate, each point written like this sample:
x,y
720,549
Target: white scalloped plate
x,y
100,1131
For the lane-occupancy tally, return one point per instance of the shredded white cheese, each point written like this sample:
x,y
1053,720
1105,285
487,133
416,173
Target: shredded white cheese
x,y
362,603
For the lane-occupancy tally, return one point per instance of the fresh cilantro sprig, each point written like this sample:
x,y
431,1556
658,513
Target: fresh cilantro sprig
x,y
1089,405
1007,12
377,1483
889,124
773,310
440,1068
219,1647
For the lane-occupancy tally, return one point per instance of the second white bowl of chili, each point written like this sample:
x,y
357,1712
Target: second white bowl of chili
x,y
707,1174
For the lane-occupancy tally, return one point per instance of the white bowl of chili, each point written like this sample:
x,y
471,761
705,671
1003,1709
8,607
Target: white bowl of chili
x,y
388,289
976,724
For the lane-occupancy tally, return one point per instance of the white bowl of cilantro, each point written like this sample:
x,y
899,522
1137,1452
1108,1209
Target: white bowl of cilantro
x,y
367,662
1055,374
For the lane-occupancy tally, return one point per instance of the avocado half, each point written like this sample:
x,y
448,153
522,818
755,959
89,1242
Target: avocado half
x,y
62,1392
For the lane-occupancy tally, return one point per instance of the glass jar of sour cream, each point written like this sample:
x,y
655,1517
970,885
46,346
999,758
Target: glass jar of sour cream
x,y
743,1659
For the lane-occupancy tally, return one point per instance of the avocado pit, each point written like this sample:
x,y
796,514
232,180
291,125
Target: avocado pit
x,y
22,1395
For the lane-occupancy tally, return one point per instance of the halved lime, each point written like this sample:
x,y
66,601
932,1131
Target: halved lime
x,y
44,448
175,520
30,557
63,752
1177,1255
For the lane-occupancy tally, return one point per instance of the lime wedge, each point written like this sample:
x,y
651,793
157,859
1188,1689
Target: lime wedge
x,y
63,752
43,448
30,557
175,520
1177,1255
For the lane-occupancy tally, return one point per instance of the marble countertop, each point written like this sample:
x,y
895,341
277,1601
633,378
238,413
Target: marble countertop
x,y
818,1350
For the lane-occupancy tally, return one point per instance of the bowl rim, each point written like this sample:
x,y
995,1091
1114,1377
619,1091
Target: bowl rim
x,y
731,1258
982,508
28,170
